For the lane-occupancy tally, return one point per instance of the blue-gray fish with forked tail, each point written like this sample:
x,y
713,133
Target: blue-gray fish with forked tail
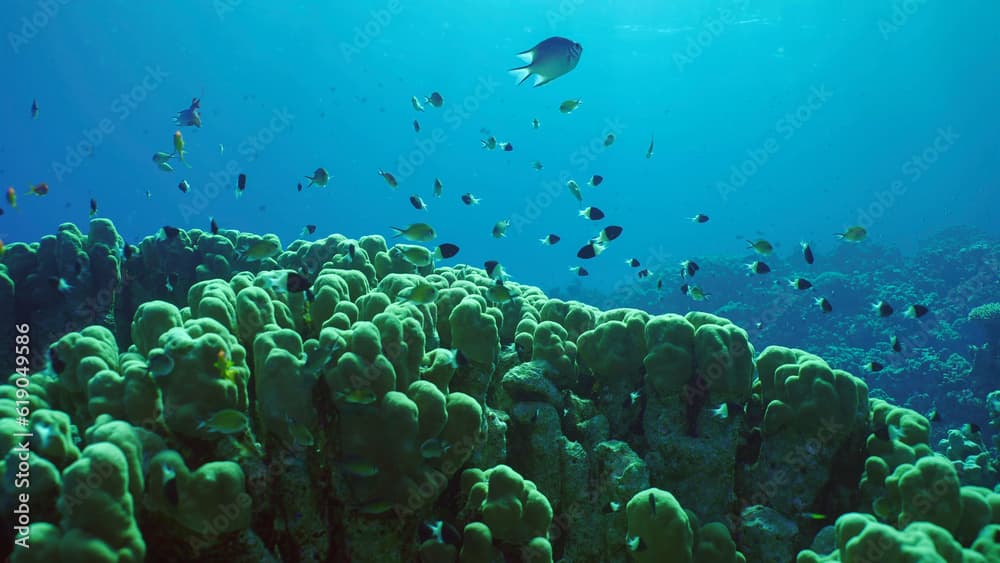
x,y
548,60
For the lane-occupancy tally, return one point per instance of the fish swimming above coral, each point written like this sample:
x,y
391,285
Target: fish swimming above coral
x,y
550,59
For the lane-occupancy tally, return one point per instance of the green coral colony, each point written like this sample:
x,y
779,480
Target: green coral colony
x,y
187,402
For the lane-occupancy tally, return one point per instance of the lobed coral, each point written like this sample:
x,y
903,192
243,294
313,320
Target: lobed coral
x,y
374,413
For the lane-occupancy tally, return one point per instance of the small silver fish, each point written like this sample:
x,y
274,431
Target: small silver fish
x,y
548,60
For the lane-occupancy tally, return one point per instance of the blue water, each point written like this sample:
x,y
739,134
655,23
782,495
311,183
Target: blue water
x,y
825,106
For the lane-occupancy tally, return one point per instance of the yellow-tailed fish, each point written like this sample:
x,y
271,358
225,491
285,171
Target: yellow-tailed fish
x,y
417,232
761,246
359,468
160,157
261,249
320,177
226,421
500,293
574,189
389,179
853,234
416,255
179,147
422,294
500,229
299,432
358,396
569,105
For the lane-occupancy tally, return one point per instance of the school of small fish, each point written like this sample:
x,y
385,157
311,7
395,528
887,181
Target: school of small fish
x,y
547,61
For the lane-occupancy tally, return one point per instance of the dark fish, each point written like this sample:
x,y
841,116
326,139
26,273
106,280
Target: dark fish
x,y
589,250
507,147
934,416
592,213
128,251
611,233
490,266
684,289
93,207
184,186
596,180
461,360
534,416
875,367
759,267
170,232
34,109
689,267
310,229
800,283
659,284
416,125
551,239
241,182
351,251
884,309
824,304
633,262
970,428
173,278
582,272
733,409
807,252
299,186
916,311
214,226
417,202
644,273
446,250
170,491
435,99
894,342
700,218
882,432
297,283
57,364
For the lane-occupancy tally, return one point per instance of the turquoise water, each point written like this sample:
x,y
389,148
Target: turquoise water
x,y
879,114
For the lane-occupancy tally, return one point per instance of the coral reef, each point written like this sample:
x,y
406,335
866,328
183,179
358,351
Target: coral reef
x,y
224,398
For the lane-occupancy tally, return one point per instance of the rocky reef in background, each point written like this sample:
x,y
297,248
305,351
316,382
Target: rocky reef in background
x,y
947,361
189,398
